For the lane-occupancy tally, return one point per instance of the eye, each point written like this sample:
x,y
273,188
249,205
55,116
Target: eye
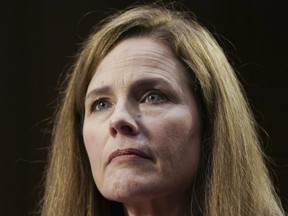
x,y
101,104
154,97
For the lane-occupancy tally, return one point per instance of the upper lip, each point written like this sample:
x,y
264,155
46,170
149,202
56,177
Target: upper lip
x,y
127,151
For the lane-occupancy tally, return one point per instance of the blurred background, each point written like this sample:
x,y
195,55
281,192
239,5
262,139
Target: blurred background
x,y
38,39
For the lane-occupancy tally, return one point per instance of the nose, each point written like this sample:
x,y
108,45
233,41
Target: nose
x,y
122,121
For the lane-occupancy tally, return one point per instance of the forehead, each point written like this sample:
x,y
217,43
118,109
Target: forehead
x,y
137,58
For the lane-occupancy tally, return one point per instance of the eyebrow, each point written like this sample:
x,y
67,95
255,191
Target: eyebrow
x,y
98,91
141,83
148,82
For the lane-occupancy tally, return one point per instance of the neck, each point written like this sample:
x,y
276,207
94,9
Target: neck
x,y
157,207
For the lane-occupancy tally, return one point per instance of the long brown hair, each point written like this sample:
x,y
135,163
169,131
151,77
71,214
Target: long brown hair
x,y
232,178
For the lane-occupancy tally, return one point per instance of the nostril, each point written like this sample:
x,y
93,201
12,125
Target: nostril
x,y
113,131
124,125
126,129
123,129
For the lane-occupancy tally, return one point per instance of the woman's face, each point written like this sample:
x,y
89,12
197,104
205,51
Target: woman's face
x,y
142,125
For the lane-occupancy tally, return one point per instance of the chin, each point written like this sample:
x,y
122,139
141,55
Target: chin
x,y
130,190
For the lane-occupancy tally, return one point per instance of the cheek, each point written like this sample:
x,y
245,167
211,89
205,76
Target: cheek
x,y
180,141
177,127
177,143
93,145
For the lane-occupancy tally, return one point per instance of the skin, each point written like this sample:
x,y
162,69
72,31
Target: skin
x,y
139,98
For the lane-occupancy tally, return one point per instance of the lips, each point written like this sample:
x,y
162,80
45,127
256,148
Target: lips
x,y
129,151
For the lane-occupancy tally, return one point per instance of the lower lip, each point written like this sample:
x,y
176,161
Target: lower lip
x,y
127,158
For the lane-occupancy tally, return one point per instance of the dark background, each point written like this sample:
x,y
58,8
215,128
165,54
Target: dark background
x,y
38,39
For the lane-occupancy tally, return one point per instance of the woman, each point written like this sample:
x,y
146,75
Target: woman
x,y
154,122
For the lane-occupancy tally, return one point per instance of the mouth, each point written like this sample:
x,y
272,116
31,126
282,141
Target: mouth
x,y
130,152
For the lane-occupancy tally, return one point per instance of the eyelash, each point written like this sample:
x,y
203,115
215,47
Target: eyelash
x,y
161,97
97,102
